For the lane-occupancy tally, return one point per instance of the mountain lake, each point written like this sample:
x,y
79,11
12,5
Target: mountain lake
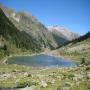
x,y
41,60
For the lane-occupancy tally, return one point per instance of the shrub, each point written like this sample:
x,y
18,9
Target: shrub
x,y
22,84
70,76
26,83
83,61
59,88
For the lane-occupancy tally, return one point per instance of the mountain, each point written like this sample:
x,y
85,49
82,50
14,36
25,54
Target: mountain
x,y
76,49
61,34
22,33
30,25
13,40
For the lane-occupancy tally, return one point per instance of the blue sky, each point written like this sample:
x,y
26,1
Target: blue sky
x,y
72,14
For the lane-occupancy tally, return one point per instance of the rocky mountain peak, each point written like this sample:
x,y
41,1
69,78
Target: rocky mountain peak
x,y
64,31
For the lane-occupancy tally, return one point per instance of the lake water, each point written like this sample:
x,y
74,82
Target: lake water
x,y
41,60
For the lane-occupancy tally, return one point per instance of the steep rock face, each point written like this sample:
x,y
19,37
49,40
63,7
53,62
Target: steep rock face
x,y
62,34
29,24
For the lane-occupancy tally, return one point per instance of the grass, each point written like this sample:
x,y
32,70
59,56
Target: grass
x,y
22,76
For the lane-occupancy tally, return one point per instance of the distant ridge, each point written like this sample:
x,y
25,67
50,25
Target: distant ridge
x,y
61,34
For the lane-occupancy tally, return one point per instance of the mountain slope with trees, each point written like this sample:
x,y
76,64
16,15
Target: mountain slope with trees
x,y
26,36
13,40
29,24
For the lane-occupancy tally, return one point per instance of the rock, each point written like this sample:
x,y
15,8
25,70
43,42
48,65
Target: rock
x,y
59,77
15,65
43,84
5,76
17,80
14,77
29,88
77,77
88,74
32,87
66,88
53,81
40,76
25,74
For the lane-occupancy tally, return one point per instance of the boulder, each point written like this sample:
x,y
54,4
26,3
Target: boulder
x,y
77,77
43,84
53,81
88,74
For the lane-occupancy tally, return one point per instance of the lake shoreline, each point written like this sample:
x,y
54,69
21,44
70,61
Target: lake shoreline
x,y
34,54
50,54
44,56
6,58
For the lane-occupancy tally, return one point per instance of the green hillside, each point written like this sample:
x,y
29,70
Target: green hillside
x,y
76,49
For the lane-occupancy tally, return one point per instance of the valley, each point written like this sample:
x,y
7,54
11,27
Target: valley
x,y
23,35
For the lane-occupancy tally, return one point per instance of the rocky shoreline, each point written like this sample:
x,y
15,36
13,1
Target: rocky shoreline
x,y
19,77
